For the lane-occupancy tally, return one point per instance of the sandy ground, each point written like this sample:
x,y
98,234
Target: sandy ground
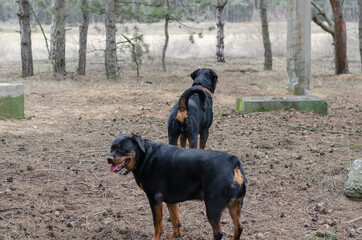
x,y
55,182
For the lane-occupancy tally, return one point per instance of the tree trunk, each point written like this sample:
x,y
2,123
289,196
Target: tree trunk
x,y
83,31
164,49
57,48
340,37
167,37
25,32
360,29
220,30
268,58
299,47
111,63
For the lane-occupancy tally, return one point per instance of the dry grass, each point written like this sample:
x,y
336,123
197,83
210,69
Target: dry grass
x,y
242,40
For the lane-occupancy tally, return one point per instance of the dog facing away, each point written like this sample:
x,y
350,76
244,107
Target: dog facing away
x,y
171,174
193,115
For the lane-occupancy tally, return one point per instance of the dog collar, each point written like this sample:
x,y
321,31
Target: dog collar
x,y
205,89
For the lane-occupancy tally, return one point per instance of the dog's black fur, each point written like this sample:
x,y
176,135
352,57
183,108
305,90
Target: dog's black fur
x,y
192,115
172,174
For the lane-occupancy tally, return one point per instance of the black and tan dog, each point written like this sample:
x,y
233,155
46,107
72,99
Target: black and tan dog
x,y
172,174
192,115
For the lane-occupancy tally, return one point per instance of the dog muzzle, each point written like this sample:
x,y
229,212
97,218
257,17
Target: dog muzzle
x,y
119,164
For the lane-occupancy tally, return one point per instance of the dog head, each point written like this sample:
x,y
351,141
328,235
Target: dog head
x,y
205,77
124,152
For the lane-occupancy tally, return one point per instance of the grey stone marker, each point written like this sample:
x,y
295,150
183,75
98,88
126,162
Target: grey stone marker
x,y
353,188
11,100
265,104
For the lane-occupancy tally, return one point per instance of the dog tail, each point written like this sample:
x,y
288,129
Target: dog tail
x,y
184,99
237,189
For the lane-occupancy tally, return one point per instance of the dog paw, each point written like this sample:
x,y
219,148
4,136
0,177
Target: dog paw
x,y
174,235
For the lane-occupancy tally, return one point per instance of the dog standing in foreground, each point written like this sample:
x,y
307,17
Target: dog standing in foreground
x,y
192,115
172,174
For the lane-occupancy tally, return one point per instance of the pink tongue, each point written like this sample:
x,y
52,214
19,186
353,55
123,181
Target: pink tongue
x,y
114,167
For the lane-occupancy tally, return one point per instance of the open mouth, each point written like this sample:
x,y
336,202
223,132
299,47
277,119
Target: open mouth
x,y
120,166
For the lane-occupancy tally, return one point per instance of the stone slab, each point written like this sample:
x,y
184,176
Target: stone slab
x,y
272,103
353,187
11,100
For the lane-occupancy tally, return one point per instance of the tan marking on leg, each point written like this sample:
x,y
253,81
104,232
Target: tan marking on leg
x,y
158,221
183,141
202,142
238,177
175,220
234,210
191,143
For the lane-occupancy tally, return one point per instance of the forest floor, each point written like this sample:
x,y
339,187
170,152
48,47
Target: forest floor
x,y
55,181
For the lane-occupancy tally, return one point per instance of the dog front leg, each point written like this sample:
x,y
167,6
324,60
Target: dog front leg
x,y
157,219
175,220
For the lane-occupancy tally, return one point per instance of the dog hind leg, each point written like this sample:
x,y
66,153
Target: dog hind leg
x,y
172,140
183,141
175,220
203,138
234,210
192,141
214,220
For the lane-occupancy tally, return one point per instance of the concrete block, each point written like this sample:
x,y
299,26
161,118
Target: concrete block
x,y
270,103
353,187
11,100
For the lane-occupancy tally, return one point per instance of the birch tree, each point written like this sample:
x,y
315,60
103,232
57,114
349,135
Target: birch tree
x,y
25,33
220,22
57,46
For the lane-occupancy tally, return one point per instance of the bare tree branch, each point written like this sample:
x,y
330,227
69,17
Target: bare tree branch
x,y
129,40
42,30
189,29
221,4
323,26
323,14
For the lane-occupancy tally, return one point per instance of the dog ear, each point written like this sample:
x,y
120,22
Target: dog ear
x,y
214,75
140,142
194,74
